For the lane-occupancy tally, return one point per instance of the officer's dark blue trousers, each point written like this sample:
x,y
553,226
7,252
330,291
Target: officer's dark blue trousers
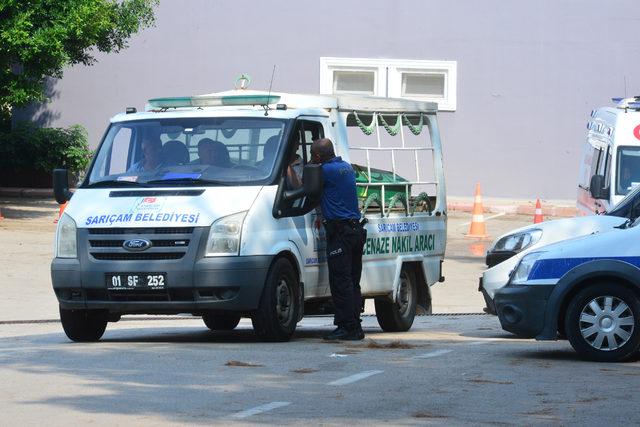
x,y
345,242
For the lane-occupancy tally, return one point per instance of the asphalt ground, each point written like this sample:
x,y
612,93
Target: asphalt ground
x,y
453,369
448,370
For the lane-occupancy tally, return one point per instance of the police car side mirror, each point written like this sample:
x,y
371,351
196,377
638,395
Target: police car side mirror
x,y
312,180
61,185
597,187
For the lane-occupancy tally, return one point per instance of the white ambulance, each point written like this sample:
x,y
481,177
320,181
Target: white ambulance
x,y
187,208
610,164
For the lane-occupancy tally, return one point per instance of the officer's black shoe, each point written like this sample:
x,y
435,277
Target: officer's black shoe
x,y
344,334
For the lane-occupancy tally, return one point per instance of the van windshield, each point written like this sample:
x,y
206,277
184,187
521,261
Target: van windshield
x,y
628,169
189,151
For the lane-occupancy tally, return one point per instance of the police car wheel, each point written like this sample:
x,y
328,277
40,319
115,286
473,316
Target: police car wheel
x,y
603,323
221,322
277,316
83,325
398,316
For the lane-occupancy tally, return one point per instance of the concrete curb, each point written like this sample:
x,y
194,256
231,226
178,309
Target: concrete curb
x,y
554,208
27,193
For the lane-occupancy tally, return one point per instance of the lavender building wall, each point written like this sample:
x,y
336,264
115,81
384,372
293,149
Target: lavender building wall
x,y
529,72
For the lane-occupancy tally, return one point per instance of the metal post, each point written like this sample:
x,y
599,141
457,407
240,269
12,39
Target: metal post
x,y
393,163
375,118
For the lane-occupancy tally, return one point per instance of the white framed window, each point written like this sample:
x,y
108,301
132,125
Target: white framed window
x,y
423,80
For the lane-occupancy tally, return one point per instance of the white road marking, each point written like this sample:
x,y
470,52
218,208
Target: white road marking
x,y
259,409
433,354
338,355
484,341
354,378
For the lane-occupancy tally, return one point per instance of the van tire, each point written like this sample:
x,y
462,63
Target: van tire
x,y
277,315
606,320
221,322
83,325
394,317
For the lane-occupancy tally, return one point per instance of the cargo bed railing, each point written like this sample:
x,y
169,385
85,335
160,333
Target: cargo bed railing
x,y
409,204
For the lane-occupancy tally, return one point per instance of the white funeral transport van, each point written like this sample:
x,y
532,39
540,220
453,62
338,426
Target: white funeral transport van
x,y
187,208
587,289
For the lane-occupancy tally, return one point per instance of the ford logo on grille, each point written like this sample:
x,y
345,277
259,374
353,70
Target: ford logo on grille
x,y
136,245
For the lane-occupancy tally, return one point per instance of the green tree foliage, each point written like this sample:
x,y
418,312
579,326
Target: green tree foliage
x,y
38,38
29,150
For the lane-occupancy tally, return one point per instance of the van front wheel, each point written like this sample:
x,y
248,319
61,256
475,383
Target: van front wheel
x,y
221,322
277,316
398,316
83,325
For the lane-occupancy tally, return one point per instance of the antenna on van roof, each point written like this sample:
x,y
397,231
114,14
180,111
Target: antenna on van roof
x,y
266,107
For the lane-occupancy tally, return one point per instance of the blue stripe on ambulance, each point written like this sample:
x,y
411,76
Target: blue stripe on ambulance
x,y
557,267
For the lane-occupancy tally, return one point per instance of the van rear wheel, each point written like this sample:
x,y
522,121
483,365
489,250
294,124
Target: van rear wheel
x,y
277,315
221,322
398,316
83,325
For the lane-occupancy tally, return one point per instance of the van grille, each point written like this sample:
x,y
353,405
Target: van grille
x,y
133,256
168,243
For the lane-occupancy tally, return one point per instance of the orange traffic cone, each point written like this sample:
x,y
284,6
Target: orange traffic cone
x,y
62,208
537,218
477,230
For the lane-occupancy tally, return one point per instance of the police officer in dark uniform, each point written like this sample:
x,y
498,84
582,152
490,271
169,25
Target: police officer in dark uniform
x,y
345,239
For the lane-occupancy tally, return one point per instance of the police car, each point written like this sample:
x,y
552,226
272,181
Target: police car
x,y
587,289
507,250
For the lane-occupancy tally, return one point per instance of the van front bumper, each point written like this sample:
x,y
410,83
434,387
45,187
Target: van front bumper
x,y
521,309
218,284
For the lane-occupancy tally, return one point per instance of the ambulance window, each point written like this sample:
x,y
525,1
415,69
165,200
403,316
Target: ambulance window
x,y
607,170
628,169
595,161
121,152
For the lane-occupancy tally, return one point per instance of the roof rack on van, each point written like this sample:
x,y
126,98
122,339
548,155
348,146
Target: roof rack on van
x,y
213,101
344,103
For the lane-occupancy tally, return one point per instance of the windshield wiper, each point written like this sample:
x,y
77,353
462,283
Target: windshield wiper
x,y
187,181
115,183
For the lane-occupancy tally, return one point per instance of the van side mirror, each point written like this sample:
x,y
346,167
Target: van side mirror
x,y
302,200
61,185
597,187
312,180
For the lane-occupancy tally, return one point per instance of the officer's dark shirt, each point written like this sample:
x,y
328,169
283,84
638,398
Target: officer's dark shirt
x,y
339,198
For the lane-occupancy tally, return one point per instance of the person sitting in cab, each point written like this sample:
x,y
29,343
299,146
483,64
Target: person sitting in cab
x,y
151,156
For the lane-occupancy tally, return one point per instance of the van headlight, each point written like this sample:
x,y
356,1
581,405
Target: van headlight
x,y
517,242
224,236
66,238
522,271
